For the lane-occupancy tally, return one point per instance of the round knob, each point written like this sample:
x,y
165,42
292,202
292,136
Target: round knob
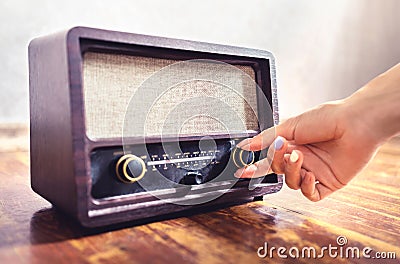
x,y
193,178
242,157
130,168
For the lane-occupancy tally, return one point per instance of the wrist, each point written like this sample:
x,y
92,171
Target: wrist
x,y
374,109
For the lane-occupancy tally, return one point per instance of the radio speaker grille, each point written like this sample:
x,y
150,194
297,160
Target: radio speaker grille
x,y
110,80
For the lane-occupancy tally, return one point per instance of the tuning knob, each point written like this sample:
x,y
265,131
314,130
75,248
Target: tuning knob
x,y
242,157
130,168
195,177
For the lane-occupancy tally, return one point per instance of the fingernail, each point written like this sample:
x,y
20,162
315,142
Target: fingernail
x,y
294,156
278,144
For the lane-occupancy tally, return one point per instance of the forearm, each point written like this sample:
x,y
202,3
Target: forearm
x,y
376,107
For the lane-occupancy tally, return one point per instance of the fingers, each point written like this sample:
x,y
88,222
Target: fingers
x,y
264,166
286,129
294,162
311,189
266,137
258,169
280,148
297,177
261,141
316,160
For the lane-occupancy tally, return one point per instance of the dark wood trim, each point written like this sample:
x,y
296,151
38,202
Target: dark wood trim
x,y
51,144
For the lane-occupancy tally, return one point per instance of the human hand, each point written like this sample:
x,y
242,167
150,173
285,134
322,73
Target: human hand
x,y
321,150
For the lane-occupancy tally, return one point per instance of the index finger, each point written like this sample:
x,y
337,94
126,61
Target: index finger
x,y
261,141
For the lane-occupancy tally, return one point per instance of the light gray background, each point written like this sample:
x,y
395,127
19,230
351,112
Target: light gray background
x,y
324,50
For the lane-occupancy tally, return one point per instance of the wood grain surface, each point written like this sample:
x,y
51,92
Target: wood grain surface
x,y
366,212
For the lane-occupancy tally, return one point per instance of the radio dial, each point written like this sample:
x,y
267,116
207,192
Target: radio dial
x,y
242,157
130,168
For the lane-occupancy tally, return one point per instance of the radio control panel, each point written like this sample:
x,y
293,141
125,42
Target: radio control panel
x,y
117,171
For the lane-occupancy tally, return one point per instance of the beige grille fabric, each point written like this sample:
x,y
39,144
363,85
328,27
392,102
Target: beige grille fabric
x,y
110,80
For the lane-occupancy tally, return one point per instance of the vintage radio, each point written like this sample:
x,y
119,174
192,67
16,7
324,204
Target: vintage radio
x,y
127,127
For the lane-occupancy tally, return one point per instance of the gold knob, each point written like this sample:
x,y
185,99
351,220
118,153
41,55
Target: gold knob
x,y
240,160
136,170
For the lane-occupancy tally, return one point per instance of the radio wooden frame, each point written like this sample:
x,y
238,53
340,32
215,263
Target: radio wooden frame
x,y
60,149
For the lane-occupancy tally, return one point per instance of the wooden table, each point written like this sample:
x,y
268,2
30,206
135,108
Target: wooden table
x,y
367,213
